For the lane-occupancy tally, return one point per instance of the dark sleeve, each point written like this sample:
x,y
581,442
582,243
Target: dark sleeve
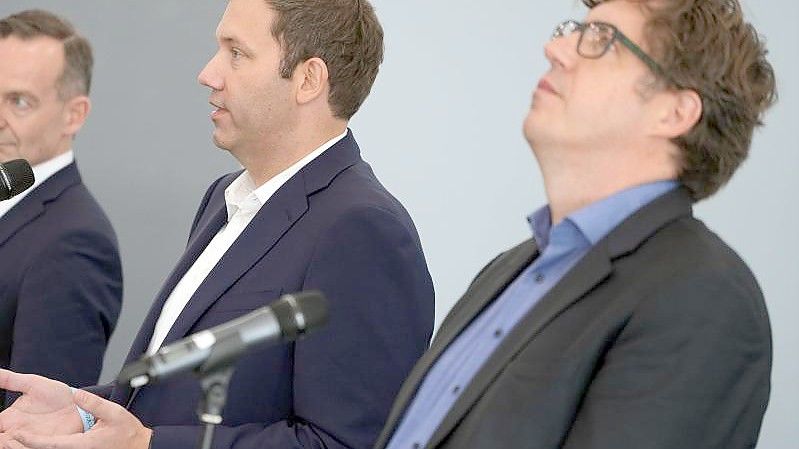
x,y
690,369
371,268
68,305
104,390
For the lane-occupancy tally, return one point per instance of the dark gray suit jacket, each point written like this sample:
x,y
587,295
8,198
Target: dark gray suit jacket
x,y
658,338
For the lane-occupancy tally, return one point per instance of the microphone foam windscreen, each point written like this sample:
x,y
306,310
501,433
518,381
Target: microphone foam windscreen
x,y
314,307
20,174
300,313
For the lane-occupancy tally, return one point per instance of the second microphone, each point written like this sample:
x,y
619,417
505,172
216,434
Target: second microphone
x,y
283,321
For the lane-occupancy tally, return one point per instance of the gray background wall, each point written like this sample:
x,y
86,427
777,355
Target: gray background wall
x,y
442,129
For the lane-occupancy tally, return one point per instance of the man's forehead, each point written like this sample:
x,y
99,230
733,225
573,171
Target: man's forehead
x,y
31,62
40,45
245,22
228,30
618,11
628,16
40,52
229,34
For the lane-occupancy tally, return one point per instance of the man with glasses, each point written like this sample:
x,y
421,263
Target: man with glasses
x,y
624,322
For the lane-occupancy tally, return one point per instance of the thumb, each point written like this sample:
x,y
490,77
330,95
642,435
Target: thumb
x,y
20,383
97,406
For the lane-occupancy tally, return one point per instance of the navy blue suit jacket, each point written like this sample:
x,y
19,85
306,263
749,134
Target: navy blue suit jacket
x,y
331,227
60,282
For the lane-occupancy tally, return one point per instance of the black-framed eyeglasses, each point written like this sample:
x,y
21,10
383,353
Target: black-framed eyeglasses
x,y
597,37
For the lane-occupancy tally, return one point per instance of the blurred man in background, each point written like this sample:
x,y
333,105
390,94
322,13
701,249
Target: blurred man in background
x,y
61,282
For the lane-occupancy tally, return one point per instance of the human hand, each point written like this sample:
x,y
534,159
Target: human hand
x,y
116,428
46,406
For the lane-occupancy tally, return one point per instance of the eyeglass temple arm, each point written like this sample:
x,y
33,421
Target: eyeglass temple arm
x,y
640,53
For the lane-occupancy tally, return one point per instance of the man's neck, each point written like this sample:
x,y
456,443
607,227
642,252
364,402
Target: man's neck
x,y
269,162
573,183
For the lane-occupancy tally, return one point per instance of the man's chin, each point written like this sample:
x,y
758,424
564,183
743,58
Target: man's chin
x,y
530,128
220,142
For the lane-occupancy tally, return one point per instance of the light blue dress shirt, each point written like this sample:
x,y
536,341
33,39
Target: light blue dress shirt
x,y
561,247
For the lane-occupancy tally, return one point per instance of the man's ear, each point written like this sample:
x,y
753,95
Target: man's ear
x,y
75,113
313,77
678,112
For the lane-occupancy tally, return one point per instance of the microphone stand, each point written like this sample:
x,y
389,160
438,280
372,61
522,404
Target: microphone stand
x,y
209,410
214,377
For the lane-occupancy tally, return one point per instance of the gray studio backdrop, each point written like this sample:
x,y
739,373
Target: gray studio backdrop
x,y
442,129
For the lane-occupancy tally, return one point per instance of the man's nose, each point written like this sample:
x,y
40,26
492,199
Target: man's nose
x,y
562,51
209,76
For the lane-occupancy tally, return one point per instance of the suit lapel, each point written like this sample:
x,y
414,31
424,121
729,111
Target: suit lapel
x,y
21,214
591,270
483,293
263,232
206,230
33,204
487,286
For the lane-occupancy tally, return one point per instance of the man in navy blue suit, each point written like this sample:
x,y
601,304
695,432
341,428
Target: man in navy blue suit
x,y
61,282
306,213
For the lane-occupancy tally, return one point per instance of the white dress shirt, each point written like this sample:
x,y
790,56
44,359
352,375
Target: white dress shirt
x,y
41,172
243,200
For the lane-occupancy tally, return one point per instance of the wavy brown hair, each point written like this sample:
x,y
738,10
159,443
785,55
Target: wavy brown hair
x,y
708,47
76,78
344,33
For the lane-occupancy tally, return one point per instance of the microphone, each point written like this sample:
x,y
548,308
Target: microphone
x,y
15,177
283,321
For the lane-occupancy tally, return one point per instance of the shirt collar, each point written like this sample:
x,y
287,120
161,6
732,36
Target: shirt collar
x,y
597,219
242,194
48,168
41,173
541,223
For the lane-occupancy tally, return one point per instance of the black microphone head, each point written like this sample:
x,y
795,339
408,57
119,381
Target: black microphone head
x,y
300,313
15,177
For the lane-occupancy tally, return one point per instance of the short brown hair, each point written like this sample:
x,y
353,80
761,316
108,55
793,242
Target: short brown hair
x,y
76,78
708,47
344,33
